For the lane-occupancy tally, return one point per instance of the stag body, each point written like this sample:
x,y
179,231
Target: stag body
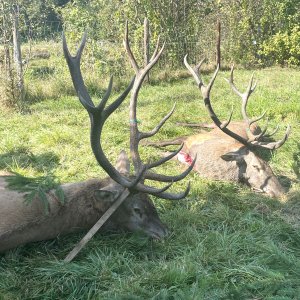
x,y
220,157
86,202
232,145
228,151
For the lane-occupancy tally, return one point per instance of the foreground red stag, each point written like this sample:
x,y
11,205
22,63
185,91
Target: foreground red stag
x,y
87,201
227,152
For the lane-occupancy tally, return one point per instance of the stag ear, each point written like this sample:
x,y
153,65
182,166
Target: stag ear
x,y
233,156
123,164
106,195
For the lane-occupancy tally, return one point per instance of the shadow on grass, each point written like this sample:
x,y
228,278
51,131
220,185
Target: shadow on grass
x,y
24,158
285,181
296,163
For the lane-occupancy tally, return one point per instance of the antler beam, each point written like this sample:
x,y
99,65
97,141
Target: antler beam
x,y
255,140
99,114
135,134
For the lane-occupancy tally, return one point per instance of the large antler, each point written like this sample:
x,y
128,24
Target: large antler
x,y
98,115
135,134
254,140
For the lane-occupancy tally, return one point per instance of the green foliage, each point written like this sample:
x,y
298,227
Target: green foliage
x,y
251,29
283,48
176,22
254,29
36,187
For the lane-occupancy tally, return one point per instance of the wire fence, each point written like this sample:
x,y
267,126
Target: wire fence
x,y
195,45
42,53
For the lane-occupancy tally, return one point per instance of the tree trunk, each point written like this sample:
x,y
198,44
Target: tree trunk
x,y
18,55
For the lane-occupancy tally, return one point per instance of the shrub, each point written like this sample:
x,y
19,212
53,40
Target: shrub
x,y
283,48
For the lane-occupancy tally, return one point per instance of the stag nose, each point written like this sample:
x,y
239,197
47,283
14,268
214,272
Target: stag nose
x,y
272,193
161,232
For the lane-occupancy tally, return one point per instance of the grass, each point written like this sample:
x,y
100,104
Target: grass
x,y
226,242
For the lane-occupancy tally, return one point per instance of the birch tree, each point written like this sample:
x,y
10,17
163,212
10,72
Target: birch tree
x,y
12,82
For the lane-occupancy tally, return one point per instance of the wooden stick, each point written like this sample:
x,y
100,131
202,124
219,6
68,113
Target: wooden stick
x,y
97,226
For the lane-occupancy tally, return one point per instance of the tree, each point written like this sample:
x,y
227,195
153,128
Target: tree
x,y
12,63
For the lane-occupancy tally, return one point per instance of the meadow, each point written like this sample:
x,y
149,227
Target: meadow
x,y
226,242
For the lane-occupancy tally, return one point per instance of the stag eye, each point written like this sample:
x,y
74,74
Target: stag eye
x,y
138,212
256,167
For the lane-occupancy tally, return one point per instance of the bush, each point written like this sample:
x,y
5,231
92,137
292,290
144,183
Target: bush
x,y
283,48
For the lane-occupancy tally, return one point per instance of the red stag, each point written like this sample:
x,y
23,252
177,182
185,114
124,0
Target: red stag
x,y
87,201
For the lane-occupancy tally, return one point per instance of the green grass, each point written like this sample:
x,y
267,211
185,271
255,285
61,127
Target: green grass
x,y
226,242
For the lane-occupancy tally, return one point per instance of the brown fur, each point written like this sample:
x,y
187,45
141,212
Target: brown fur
x,y
220,157
21,223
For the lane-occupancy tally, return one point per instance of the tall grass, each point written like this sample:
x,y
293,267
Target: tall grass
x,y
225,243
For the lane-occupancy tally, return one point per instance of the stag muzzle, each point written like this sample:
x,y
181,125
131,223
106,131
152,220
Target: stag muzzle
x,y
158,231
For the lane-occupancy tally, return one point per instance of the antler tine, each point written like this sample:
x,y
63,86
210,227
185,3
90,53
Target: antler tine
x,y
74,66
144,135
156,49
168,196
195,71
152,61
245,97
106,96
274,145
251,121
198,66
129,52
113,106
225,124
273,132
174,196
209,86
155,191
257,137
231,82
164,159
197,75
165,178
251,88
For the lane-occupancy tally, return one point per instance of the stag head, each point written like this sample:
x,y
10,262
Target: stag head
x,y
136,213
255,172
